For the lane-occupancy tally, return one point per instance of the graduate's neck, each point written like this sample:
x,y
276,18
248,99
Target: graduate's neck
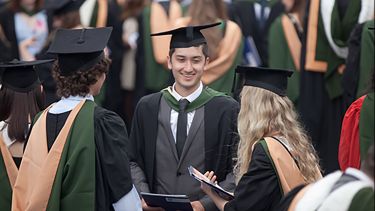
x,y
184,92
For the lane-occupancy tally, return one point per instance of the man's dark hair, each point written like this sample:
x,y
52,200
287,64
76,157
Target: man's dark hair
x,y
80,81
204,50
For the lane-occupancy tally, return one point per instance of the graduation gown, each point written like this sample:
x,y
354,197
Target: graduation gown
x,y
112,173
285,37
321,104
220,116
246,18
8,173
258,189
359,64
111,179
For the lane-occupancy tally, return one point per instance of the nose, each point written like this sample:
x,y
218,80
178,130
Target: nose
x,y
188,66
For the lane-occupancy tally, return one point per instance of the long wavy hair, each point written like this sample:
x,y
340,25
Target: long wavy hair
x,y
205,12
263,114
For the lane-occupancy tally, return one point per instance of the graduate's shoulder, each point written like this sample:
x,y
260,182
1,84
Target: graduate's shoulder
x,y
104,116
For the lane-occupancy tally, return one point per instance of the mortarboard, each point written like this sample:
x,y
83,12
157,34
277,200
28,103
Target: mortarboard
x,y
186,37
274,80
21,76
60,7
79,49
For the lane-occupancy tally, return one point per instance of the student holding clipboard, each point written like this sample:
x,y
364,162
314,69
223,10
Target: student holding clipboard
x,y
274,154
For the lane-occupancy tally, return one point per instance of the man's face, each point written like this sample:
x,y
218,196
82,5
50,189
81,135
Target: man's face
x,y
187,65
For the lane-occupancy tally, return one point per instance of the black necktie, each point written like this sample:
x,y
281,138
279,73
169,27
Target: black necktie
x,y
181,126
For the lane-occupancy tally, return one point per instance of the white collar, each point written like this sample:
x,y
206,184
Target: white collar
x,y
190,97
360,175
4,130
67,104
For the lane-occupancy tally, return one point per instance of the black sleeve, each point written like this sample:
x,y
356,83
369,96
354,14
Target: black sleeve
x,y
350,77
113,179
258,189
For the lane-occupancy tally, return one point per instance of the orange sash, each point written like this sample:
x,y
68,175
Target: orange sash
x,y
287,170
38,168
102,13
294,44
10,166
312,36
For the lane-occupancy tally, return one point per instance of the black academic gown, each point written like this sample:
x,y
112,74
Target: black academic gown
x,y
244,16
113,99
113,179
220,116
258,189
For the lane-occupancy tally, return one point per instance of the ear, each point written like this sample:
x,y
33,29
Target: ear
x,y
169,62
207,60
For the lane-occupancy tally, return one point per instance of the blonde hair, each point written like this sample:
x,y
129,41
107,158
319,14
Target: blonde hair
x,y
264,113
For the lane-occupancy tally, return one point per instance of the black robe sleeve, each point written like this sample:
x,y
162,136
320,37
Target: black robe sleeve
x,y
258,189
113,179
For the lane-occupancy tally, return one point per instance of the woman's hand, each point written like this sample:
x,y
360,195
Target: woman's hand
x,y
145,207
219,202
212,178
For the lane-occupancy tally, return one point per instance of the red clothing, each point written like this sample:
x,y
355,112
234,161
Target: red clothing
x,y
349,152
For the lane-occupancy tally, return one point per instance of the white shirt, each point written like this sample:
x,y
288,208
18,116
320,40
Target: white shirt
x,y
190,115
4,130
68,104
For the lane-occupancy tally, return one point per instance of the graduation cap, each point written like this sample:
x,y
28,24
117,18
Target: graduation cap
x,y
274,80
21,76
79,49
60,7
186,37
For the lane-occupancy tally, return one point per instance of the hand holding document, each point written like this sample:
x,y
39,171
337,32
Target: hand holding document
x,y
167,202
214,186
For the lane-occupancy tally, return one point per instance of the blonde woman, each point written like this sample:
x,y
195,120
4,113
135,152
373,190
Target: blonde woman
x,y
274,153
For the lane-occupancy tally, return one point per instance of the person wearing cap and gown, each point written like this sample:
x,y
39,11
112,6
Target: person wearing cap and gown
x,y
21,98
184,124
274,155
328,25
75,157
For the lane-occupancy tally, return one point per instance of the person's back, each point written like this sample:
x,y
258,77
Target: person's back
x,y
76,154
21,98
274,155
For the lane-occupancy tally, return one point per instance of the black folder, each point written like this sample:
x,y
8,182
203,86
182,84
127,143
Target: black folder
x,y
168,202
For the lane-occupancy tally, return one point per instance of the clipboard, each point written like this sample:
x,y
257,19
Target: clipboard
x,y
201,178
167,202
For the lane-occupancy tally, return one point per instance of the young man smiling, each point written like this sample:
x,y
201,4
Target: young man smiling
x,y
185,124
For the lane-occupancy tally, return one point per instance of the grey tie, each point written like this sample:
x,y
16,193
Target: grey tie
x,y
181,126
